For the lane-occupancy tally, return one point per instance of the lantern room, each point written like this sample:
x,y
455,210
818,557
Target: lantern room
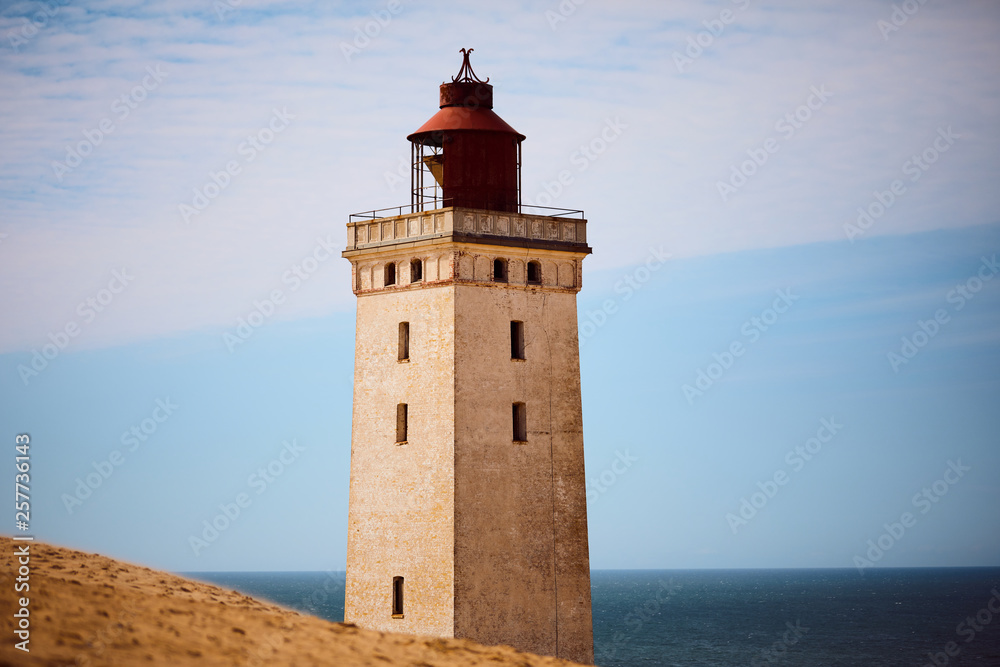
x,y
466,155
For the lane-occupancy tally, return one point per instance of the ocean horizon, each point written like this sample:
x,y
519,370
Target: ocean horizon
x,y
722,618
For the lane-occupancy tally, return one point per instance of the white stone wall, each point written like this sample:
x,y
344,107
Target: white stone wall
x,y
401,520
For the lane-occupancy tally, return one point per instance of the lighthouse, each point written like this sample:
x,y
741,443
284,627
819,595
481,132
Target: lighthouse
x,y
467,512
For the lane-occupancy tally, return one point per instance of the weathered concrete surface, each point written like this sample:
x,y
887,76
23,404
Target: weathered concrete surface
x,y
402,496
522,574
490,535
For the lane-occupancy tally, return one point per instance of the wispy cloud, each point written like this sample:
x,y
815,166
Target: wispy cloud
x,y
224,74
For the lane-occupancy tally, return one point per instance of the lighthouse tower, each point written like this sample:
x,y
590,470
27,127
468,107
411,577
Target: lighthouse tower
x,y
468,513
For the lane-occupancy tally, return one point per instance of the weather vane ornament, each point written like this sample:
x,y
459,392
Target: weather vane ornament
x,y
466,75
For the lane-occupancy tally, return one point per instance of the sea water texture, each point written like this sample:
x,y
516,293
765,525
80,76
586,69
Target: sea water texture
x,y
726,618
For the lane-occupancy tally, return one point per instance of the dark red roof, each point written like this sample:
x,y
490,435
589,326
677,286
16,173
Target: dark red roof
x,y
464,118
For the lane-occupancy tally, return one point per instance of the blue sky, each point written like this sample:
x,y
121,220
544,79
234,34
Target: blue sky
x,y
739,138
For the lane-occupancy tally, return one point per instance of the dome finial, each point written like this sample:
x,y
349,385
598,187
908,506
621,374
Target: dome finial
x,y
466,75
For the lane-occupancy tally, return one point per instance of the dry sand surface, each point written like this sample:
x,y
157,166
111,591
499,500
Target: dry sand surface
x,y
86,609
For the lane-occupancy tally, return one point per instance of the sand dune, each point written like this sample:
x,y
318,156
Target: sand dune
x,y
87,609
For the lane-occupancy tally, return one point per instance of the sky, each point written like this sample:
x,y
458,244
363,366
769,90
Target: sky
x,y
789,326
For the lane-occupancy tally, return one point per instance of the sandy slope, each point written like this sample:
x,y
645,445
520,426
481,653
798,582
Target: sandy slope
x,y
86,609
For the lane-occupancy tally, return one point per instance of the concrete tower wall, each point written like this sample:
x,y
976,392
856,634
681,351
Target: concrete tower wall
x,y
402,496
488,532
521,556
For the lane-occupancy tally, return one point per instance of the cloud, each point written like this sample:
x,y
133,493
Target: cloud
x,y
656,184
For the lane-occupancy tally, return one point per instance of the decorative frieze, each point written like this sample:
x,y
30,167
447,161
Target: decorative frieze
x,y
409,227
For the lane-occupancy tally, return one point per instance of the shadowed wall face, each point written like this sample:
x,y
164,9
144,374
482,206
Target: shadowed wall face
x,y
521,555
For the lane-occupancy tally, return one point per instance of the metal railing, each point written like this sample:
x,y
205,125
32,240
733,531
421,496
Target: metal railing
x,y
407,209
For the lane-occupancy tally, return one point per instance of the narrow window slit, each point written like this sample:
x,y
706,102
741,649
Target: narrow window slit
x,y
404,341
517,340
401,426
520,422
397,597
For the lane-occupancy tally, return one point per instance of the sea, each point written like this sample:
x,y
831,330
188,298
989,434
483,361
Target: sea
x,y
726,618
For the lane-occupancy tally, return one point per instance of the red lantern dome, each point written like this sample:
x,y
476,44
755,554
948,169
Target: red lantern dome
x,y
472,155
